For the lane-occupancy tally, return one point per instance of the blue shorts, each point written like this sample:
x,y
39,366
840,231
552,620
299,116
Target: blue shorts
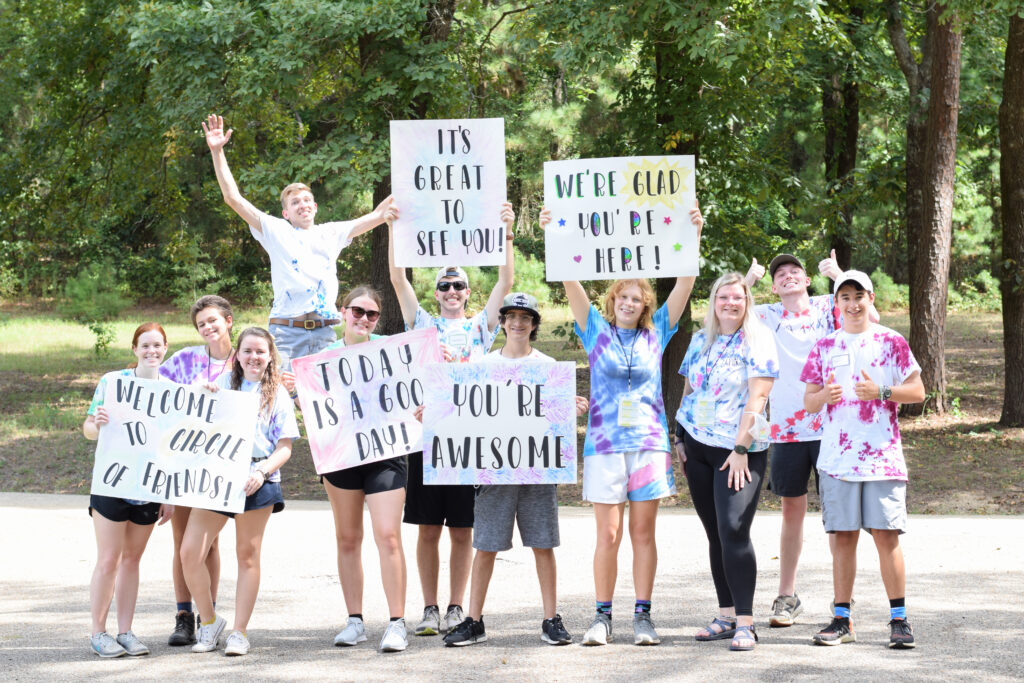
x,y
267,495
296,342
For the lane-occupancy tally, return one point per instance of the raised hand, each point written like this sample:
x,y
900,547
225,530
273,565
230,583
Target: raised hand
x,y
213,128
866,388
754,273
829,267
545,217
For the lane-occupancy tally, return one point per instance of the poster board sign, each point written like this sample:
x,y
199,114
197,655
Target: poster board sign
x,y
448,181
357,401
177,444
500,423
620,217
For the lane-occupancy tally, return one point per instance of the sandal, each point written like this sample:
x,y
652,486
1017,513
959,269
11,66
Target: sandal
x,y
745,639
719,629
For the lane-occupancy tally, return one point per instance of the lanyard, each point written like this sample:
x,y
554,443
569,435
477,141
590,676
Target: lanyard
x,y
708,371
629,361
209,364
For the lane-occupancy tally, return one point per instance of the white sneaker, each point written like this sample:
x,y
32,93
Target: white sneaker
x,y
600,631
452,619
394,639
431,623
104,645
236,644
132,645
207,636
354,632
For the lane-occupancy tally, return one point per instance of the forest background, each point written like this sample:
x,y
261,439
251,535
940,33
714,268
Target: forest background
x,y
892,132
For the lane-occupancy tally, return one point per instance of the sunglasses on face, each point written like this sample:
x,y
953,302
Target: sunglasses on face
x,y
458,285
359,312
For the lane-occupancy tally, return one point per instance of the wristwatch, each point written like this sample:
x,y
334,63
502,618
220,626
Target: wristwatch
x,y
885,393
742,450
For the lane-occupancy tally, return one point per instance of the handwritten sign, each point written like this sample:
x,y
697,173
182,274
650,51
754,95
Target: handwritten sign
x,y
177,444
500,423
448,180
620,218
358,401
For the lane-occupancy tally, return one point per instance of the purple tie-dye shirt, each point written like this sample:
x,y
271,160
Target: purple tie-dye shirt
x,y
193,365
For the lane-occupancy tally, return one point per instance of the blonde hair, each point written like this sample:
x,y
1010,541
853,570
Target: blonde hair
x,y
646,321
292,189
754,331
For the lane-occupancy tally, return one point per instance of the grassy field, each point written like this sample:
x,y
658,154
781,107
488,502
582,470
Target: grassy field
x,y
962,462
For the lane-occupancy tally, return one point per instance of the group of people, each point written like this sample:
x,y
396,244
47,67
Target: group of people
x,y
832,376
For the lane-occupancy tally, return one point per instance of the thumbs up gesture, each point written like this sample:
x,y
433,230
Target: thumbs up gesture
x,y
834,391
866,388
754,273
829,267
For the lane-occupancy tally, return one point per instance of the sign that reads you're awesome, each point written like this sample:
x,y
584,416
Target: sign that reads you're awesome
x,y
623,217
448,180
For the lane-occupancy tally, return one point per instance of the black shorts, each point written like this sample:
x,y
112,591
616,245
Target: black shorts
x,y
790,465
265,496
120,510
436,505
373,477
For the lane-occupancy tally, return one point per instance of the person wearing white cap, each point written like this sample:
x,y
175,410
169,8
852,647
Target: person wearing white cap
x,y
860,374
463,339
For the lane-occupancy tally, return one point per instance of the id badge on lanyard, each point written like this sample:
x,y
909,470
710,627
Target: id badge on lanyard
x,y
704,414
630,410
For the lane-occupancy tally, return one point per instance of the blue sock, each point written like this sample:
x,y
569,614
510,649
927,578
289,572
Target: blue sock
x,y
898,608
642,607
185,606
604,607
842,610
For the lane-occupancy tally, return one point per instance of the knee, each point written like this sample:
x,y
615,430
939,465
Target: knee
x,y
248,555
130,558
107,563
430,533
887,539
461,535
608,538
642,535
190,559
389,541
349,542
794,509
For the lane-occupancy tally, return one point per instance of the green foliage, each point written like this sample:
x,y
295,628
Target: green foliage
x,y
529,277
889,296
94,299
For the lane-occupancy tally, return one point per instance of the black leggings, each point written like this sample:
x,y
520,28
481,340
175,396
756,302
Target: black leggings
x,y
726,515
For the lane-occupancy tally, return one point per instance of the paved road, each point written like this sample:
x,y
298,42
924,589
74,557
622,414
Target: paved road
x,y
966,577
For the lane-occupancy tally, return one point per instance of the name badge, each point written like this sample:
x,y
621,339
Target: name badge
x,y
630,411
841,361
704,415
458,339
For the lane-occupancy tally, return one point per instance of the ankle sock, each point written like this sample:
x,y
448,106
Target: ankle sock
x,y
604,607
207,623
357,616
451,606
898,608
185,606
392,618
842,610
642,607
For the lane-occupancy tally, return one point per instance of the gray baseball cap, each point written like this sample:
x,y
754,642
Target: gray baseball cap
x,y
520,301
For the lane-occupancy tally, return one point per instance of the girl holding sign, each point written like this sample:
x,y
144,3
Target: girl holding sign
x,y
626,452
255,370
723,442
122,526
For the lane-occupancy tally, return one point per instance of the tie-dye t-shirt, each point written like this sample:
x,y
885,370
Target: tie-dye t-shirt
x,y
468,338
861,439
795,334
193,365
303,265
612,375
280,424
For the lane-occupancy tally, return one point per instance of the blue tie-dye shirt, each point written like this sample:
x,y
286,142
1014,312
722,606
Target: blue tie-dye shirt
x,y
611,378
720,374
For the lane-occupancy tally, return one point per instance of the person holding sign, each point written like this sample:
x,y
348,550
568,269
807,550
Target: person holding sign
x,y
255,370
463,339
626,453
533,507
122,526
302,255
729,368
212,317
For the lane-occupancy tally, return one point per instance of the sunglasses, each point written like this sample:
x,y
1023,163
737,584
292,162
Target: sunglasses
x,y
458,285
359,312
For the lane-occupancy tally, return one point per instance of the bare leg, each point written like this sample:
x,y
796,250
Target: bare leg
x,y
249,528
127,587
642,518
844,564
203,527
386,518
606,555
890,561
428,562
791,541
179,520
483,569
347,506
547,576
460,561
109,545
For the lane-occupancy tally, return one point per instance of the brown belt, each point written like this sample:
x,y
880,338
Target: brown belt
x,y
305,324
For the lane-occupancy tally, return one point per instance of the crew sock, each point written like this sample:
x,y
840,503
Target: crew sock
x,y
842,610
898,608
642,607
185,606
604,607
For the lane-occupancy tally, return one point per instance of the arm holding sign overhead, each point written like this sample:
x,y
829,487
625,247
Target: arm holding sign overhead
x,y
680,294
506,273
403,288
579,302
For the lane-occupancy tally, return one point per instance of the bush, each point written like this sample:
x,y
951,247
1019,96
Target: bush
x,y
94,298
889,296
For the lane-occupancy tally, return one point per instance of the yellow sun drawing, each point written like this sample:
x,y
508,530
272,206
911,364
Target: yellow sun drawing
x,y
650,184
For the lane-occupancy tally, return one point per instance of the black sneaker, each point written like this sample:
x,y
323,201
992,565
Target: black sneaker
x,y
901,635
184,629
466,633
553,631
839,631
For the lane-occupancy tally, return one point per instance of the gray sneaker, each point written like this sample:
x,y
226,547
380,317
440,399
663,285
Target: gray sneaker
x,y
207,636
394,638
132,645
600,631
236,644
431,624
354,632
453,618
105,646
643,630
785,610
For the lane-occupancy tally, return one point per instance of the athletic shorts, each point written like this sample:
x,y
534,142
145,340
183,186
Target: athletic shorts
x,y
265,496
120,510
373,477
635,475
531,507
790,465
856,505
436,505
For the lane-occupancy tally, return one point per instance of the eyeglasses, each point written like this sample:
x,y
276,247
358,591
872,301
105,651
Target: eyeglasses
x,y
458,286
359,312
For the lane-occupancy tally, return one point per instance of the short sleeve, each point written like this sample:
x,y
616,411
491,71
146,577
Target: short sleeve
x,y
97,396
487,334
341,231
692,353
763,311
176,368
662,328
263,235
904,361
811,373
283,425
595,325
763,358
422,321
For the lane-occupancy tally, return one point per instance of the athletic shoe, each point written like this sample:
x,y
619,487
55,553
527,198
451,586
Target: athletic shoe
x,y
354,632
184,629
839,631
236,644
643,630
431,624
453,618
105,646
132,645
468,632
600,631
394,638
785,610
553,631
207,636
901,635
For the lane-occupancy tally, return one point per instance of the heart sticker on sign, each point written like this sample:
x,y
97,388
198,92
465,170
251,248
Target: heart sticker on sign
x,y
577,259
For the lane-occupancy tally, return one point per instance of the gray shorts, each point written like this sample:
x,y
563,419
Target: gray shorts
x,y
856,505
534,507
296,342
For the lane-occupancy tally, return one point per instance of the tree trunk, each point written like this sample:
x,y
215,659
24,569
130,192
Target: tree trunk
x,y
1011,173
840,109
380,275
